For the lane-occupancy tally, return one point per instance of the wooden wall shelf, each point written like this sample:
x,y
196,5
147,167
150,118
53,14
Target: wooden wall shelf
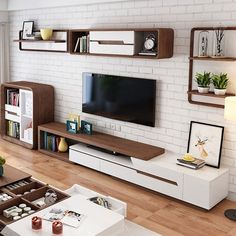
x,y
101,140
165,41
34,109
210,94
58,43
193,58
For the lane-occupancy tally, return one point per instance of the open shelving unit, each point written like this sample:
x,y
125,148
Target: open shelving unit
x,y
193,58
122,42
23,108
58,43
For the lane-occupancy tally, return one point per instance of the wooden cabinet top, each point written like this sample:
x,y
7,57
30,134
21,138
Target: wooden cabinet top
x,y
109,142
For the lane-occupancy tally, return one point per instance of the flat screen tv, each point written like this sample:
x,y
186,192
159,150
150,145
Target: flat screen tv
x,y
121,98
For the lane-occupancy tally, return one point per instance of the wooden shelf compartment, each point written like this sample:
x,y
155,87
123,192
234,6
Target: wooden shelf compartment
x,y
101,140
165,39
58,43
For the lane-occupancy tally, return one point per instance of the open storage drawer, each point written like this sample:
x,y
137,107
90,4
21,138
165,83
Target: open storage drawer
x,y
116,205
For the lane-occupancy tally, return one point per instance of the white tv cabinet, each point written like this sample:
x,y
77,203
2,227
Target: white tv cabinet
x,y
204,187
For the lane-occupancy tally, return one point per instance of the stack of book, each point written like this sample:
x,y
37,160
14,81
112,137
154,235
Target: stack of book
x,y
13,129
82,44
195,164
51,142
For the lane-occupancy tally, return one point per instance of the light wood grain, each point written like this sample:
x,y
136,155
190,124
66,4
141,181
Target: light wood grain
x,y
157,212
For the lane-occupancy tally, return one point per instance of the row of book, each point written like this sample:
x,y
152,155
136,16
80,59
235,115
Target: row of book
x,y
82,44
195,164
51,142
13,97
13,129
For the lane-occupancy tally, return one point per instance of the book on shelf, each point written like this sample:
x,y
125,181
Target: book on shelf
x,y
51,142
195,164
13,129
77,44
13,97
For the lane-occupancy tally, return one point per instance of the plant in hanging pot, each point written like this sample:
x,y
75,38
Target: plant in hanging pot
x,y
2,162
203,81
220,83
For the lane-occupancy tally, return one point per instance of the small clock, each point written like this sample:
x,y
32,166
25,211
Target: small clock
x,y
150,43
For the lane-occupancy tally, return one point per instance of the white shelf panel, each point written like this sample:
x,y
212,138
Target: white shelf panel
x,y
13,109
11,117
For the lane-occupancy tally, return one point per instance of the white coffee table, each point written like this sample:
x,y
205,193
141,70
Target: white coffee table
x,y
99,221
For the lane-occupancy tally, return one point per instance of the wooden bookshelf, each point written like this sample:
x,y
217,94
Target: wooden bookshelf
x,y
101,140
42,109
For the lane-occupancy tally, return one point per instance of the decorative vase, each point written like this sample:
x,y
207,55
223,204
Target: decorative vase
x,y
203,89
1,170
219,91
219,43
203,44
63,146
46,34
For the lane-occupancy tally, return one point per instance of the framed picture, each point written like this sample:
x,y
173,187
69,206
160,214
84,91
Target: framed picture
x,y
27,29
86,127
71,126
205,142
75,118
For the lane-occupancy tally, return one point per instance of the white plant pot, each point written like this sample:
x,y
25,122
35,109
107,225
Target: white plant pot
x,y
219,91
203,90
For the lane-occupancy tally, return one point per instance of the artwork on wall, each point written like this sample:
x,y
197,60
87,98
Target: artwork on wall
x,y
205,142
27,30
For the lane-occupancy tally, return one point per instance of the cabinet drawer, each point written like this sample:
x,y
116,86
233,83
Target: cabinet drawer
x,y
96,47
155,183
9,116
117,205
126,37
84,159
13,109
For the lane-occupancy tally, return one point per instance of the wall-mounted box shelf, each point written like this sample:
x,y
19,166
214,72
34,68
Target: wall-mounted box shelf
x,y
58,43
208,99
121,42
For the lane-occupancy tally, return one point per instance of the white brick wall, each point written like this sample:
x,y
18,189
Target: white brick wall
x,y
173,112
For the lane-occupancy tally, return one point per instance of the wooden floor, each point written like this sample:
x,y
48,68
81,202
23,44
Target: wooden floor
x,y
157,212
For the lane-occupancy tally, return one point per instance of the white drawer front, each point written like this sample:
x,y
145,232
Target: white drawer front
x,y
127,37
84,159
11,117
117,205
13,109
160,185
95,47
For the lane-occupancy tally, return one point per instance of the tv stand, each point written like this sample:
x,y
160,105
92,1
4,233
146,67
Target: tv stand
x,y
104,150
142,164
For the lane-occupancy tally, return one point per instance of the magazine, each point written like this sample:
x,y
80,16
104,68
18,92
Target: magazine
x,y
67,217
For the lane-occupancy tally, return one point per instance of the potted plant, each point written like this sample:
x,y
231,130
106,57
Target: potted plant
x,y
203,81
2,162
220,83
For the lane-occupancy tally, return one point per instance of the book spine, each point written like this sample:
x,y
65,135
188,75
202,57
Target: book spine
x,y
45,134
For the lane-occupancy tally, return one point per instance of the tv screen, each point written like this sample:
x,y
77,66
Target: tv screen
x,y
121,98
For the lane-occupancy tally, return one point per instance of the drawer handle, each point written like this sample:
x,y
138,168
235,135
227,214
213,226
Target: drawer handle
x,y
157,177
110,42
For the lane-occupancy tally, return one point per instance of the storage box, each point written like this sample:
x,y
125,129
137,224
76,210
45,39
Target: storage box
x,y
116,205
